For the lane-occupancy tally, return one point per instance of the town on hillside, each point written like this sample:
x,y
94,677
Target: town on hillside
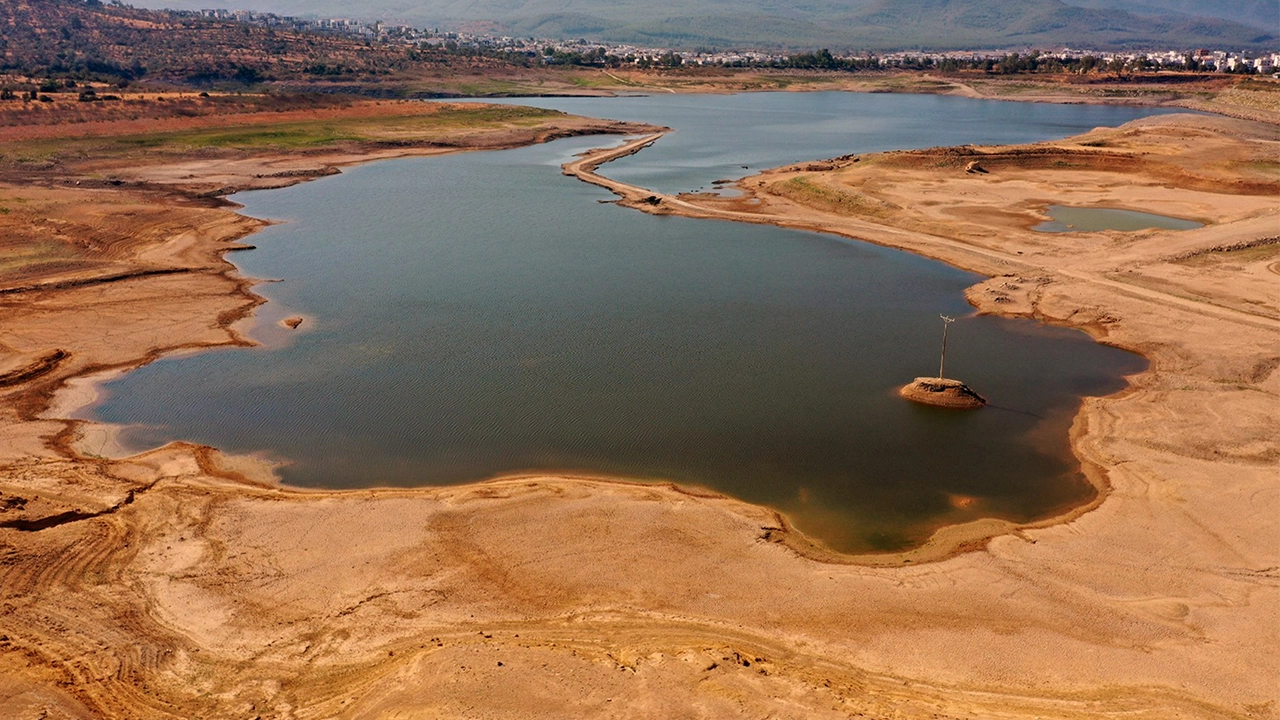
x,y
552,51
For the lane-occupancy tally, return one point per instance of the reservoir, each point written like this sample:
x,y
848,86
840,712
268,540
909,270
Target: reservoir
x,y
480,314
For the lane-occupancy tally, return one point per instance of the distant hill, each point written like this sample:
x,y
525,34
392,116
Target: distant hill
x,y
1262,14
838,24
94,41
1039,22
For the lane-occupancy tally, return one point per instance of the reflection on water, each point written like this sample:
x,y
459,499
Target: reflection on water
x,y
480,314
1089,219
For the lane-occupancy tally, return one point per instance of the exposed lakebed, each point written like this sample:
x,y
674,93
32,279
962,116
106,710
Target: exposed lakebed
x,y
480,314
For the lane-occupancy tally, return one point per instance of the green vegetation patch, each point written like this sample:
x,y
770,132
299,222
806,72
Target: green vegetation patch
x,y
30,257
1254,85
803,190
284,136
484,88
474,114
1263,251
299,135
600,81
1270,168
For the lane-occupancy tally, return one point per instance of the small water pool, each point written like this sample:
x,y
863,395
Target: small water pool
x,y
1094,219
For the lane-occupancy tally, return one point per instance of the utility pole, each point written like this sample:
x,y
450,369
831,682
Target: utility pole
x,y
946,323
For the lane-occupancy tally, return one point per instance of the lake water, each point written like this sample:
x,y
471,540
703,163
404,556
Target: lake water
x,y
1091,219
480,314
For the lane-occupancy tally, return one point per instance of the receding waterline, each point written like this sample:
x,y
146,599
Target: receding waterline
x,y
1095,219
479,315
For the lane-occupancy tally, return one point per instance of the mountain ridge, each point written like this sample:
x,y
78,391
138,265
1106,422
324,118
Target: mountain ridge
x,y
839,24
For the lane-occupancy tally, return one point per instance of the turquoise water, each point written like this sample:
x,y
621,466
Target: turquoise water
x,y
1086,219
481,314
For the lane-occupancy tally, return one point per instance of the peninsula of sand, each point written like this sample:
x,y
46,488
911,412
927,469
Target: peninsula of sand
x,y
175,584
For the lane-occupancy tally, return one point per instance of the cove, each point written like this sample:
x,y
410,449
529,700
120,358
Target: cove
x,y
480,314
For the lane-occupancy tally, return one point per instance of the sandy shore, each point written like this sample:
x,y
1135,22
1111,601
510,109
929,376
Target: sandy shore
x,y
173,585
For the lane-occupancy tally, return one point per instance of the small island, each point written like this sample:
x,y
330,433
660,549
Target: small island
x,y
943,392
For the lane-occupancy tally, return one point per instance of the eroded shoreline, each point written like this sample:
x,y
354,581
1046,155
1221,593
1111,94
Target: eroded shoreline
x,y
753,206
568,594
957,535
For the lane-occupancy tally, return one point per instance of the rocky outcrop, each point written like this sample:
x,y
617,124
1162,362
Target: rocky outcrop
x,y
943,392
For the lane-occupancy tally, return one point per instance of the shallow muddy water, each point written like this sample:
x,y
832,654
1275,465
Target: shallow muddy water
x,y
1090,219
481,314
